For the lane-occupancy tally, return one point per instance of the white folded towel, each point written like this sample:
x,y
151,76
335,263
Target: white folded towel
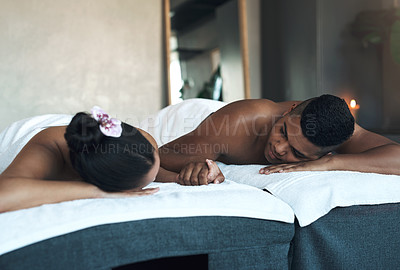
x,y
313,194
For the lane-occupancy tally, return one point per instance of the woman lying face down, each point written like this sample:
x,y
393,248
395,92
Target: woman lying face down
x,y
95,156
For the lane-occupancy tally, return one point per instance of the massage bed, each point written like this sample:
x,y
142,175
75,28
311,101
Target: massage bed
x,y
343,220
225,226
355,237
306,220
231,225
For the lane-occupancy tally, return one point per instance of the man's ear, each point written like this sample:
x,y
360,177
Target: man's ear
x,y
294,105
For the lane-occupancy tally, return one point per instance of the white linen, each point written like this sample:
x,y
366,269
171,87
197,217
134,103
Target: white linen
x,y
176,120
24,227
15,136
313,194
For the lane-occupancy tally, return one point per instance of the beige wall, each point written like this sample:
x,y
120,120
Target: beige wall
x,y
65,56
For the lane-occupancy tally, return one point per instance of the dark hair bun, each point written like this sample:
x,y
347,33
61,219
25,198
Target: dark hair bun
x,y
82,132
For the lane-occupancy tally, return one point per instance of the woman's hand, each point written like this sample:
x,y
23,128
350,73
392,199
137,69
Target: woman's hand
x,y
322,164
126,194
214,173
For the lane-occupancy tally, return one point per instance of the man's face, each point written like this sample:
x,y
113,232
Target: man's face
x,y
286,142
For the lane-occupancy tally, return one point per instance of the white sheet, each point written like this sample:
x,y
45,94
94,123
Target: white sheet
x,y
313,194
24,227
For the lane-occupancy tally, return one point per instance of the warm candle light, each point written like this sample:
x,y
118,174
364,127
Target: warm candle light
x,y
353,104
354,108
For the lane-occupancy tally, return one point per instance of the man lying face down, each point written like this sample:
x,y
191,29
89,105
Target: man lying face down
x,y
314,135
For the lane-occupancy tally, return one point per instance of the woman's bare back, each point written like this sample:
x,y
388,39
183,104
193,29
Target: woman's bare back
x,y
45,156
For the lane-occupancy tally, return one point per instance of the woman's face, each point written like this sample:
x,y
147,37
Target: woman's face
x,y
151,175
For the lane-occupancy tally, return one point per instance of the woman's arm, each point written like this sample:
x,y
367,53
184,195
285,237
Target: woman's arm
x,y
18,193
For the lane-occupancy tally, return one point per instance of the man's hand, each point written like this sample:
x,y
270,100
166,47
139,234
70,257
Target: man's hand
x,y
200,173
127,194
322,164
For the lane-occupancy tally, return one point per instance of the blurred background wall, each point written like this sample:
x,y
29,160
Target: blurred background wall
x,y
309,49
65,56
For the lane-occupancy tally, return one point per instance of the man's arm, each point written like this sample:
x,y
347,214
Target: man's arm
x,y
365,151
195,146
192,174
165,176
184,161
186,154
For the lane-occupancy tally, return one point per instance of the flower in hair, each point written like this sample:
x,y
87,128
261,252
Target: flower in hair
x,y
108,126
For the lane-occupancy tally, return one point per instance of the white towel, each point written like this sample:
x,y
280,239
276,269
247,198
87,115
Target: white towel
x,y
28,226
313,194
179,119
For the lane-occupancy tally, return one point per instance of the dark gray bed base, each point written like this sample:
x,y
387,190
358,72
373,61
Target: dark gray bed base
x,y
357,237
229,242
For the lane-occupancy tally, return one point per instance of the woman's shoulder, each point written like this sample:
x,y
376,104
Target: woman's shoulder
x,y
42,157
53,139
50,136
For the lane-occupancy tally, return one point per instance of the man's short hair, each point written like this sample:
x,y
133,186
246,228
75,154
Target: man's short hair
x,y
326,121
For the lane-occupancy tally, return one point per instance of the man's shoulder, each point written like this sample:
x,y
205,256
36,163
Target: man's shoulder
x,y
256,102
251,105
258,107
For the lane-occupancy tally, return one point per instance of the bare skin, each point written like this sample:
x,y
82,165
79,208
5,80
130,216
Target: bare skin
x,y
42,173
262,132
